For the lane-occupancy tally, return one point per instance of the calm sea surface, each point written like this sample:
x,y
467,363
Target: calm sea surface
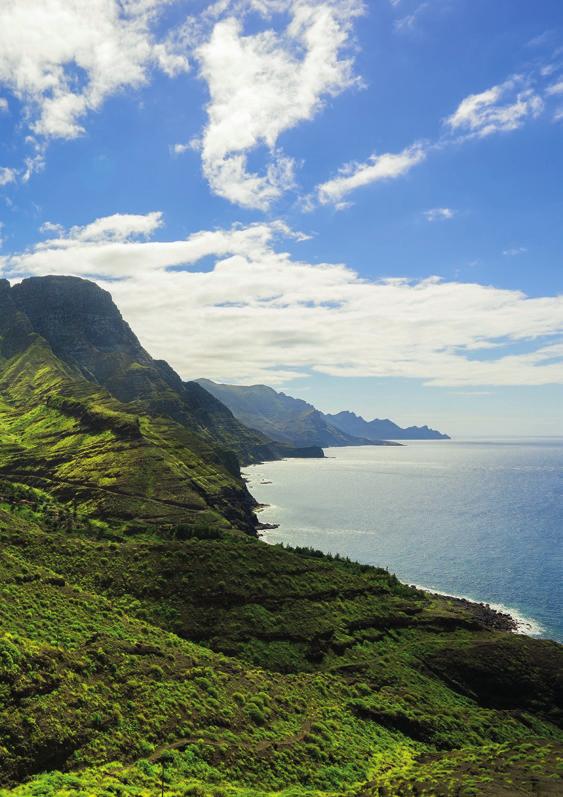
x,y
479,519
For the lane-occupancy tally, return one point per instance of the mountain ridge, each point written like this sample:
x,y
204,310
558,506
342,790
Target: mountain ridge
x,y
384,429
295,421
282,417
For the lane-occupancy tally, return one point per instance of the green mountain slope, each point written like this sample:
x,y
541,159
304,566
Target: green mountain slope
x,y
119,461
343,681
283,418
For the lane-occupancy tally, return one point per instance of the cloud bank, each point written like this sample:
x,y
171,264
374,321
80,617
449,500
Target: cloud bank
x,y
260,315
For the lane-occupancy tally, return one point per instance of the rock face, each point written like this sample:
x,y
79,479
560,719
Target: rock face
x,y
381,429
83,327
288,420
15,329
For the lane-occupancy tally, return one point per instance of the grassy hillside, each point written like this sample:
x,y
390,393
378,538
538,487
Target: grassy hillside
x,y
342,681
60,432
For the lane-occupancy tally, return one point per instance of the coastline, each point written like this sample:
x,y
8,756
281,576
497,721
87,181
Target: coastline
x,y
494,616
499,615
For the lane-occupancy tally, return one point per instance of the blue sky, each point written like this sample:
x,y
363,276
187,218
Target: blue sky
x,y
359,203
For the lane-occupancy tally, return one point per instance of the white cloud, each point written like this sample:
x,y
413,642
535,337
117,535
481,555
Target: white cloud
x,y
261,315
555,88
499,109
264,84
4,107
63,58
439,214
119,227
7,175
190,146
514,251
388,166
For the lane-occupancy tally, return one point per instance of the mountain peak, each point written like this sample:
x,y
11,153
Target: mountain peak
x,y
78,319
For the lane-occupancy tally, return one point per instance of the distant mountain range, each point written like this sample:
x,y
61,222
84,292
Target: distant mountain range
x,y
294,422
381,429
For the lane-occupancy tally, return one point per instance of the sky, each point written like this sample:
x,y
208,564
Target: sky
x,y
358,203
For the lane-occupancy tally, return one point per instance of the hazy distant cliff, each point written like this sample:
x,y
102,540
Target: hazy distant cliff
x,y
294,421
281,417
382,429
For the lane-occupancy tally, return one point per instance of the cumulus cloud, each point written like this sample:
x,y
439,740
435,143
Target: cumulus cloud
x,y
63,58
499,109
261,315
7,175
514,251
439,214
266,83
377,168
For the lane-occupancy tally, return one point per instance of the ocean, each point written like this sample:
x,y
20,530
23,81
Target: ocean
x,y
480,519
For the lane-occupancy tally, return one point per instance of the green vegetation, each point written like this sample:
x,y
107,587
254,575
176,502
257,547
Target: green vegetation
x,y
148,641
339,678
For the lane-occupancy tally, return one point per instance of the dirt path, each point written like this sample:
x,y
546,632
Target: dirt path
x,y
260,748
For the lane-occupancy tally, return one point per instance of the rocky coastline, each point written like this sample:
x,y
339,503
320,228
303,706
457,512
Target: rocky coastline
x,y
493,619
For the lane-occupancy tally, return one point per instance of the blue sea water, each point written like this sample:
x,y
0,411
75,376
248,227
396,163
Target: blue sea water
x,y
474,518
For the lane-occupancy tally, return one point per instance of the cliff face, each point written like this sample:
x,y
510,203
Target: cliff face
x,y
82,325
15,329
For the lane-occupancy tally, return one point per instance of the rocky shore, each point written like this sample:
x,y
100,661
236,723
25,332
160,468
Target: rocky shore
x,y
486,615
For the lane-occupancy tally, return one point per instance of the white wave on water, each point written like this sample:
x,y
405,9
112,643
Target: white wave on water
x,y
525,625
